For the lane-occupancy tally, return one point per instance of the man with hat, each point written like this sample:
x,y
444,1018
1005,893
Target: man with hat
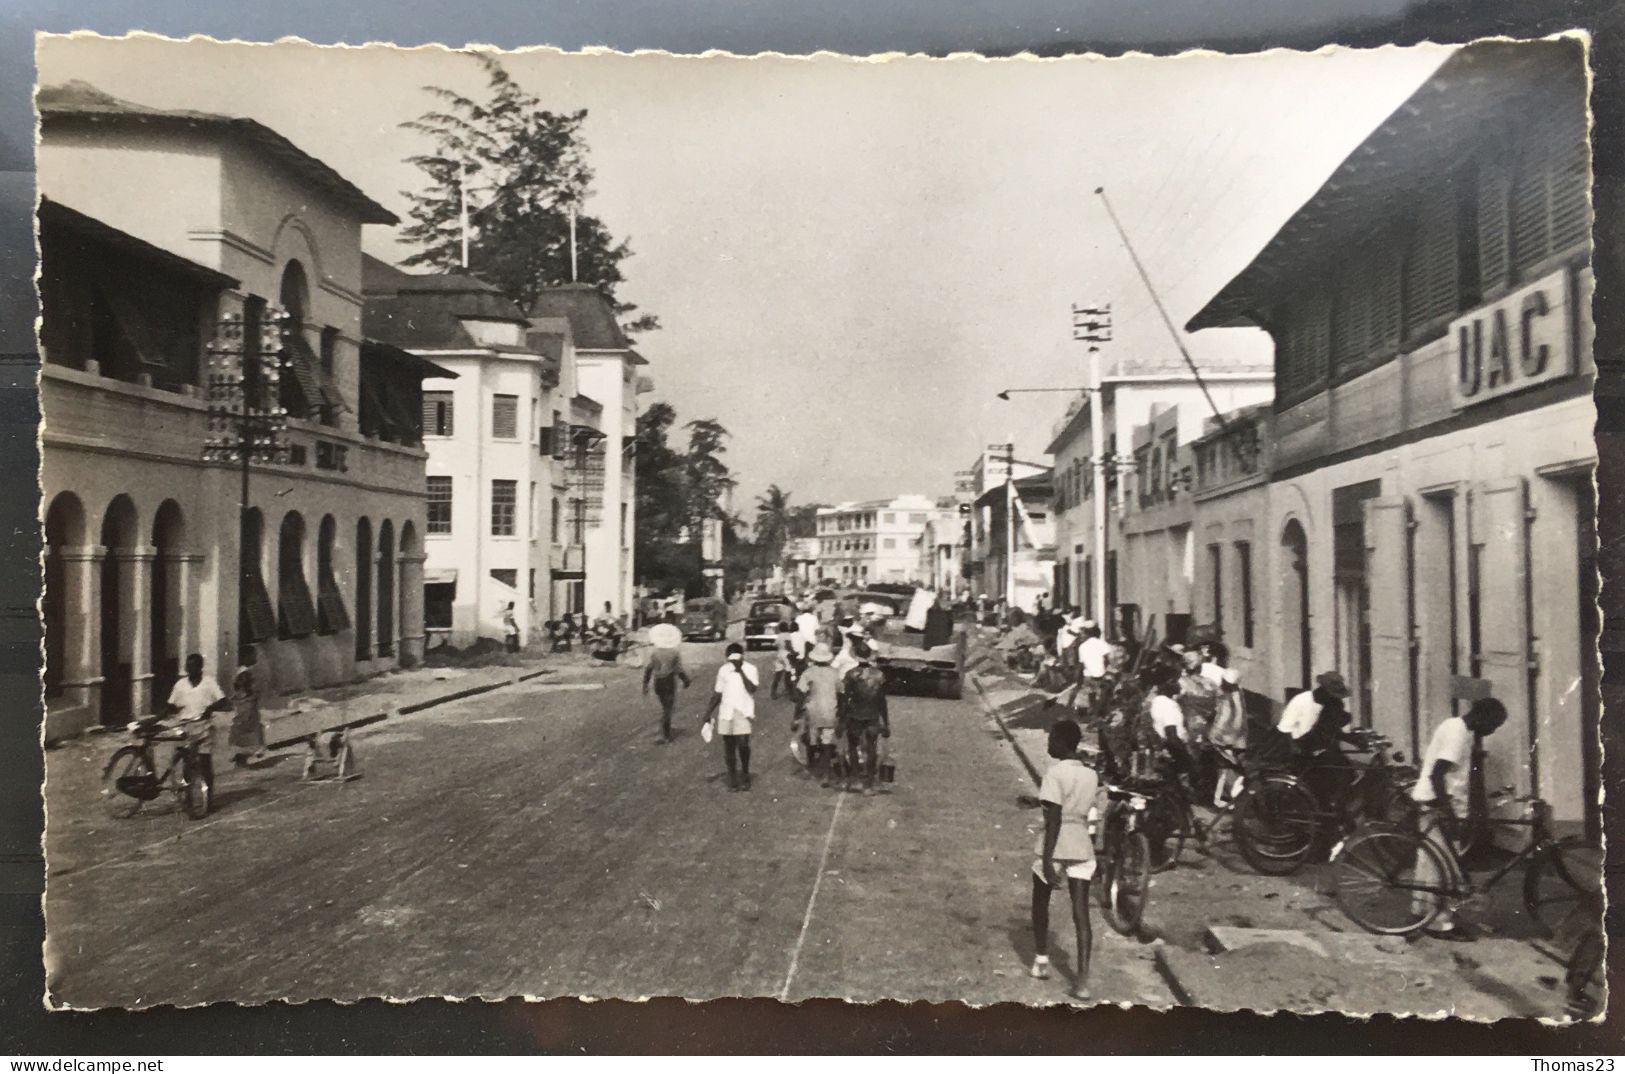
x,y
819,690
1314,721
864,718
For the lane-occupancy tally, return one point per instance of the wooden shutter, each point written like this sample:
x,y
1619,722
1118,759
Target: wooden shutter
x,y
1493,180
1383,326
1531,227
1569,176
1500,528
1388,581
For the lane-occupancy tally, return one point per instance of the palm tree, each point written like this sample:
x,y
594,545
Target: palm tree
x,y
773,515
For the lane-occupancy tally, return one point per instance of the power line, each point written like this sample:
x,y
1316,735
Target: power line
x,y
1178,342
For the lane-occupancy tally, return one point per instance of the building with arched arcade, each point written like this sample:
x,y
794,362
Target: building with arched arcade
x,y
159,231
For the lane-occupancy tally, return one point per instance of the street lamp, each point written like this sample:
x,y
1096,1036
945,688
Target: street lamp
x,y
246,420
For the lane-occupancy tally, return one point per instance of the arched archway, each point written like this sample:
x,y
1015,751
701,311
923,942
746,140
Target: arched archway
x,y
363,590
296,614
1296,652
63,588
294,297
120,536
167,602
331,615
386,588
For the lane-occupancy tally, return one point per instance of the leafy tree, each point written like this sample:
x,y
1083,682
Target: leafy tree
x,y
708,480
773,517
525,171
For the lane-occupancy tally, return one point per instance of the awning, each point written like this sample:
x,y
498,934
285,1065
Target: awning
x,y
440,576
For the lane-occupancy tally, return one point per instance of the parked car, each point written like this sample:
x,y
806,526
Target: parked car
x,y
762,622
704,617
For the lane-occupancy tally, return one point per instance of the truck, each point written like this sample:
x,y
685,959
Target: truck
x,y
901,652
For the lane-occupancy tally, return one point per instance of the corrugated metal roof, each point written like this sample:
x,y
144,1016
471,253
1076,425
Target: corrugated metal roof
x,y
426,310
1454,109
82,102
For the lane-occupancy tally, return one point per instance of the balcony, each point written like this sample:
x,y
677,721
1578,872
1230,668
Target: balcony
x,y
83,409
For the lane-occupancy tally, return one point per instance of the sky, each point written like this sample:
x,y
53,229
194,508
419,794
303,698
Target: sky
x,y
850,259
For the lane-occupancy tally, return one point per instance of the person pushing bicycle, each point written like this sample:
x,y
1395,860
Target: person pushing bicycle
x,y
1444,795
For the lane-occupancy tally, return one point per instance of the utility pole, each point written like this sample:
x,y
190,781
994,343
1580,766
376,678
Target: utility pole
x,y
1010,524
462,200
1093,325
572,244
246,420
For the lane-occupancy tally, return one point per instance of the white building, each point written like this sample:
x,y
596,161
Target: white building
x,y
157,228
488,433
603,485
992,468
873,540
1132,389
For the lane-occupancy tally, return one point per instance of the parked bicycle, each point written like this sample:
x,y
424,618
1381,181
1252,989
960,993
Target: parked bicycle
x,y
133,778
1124,884
1279,819
1381,873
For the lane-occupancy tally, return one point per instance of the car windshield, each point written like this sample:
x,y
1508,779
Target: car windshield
x,y
825,594
765,607
886,603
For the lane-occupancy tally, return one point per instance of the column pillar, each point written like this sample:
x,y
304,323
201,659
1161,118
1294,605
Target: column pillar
x,y
184,574
409,621
82,623
135,642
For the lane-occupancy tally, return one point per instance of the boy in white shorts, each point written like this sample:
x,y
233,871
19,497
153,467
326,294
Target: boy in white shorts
x,y
1065,850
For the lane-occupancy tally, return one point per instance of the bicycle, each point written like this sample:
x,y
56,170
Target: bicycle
x,y
1279,819
1125,859
1378,889
131,778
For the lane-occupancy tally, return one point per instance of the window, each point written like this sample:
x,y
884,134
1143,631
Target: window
x,y
891,542
535,513
916,520
437,412
507,577
439,506
1215,562
533,583
331,616
626,536
504,500
578,521
1244,581
505,417
553,520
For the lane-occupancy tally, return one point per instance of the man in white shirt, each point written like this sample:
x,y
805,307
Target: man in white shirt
x,y
733,702
196,697
1443,792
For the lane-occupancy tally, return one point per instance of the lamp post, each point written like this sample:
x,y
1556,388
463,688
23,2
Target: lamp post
x,y
246,420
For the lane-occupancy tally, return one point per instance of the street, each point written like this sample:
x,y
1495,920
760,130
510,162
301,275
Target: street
x,y
536,841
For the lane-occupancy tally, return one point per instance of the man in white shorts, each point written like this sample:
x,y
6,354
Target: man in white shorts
x,y
1066,854
734,704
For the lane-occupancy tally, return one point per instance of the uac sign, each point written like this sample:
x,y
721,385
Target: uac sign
x,y
1514,343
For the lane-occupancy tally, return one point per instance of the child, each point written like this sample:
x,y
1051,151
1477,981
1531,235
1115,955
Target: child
x,y
1065,850
783,672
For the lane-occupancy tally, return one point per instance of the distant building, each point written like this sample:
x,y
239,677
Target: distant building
x,y
873,540
1430,526
987,473
157,229
1018,526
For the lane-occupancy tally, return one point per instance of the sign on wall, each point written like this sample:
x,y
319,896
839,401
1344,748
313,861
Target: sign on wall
x,y
1518,342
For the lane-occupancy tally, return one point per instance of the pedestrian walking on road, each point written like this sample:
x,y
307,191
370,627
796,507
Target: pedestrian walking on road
x,y
247,737
665,669
863,718
1443,792
510,628
783,666
733,702
1065,850
819,689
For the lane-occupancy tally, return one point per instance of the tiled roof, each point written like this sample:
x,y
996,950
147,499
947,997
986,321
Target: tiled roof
x,y
591,316
55,214
1458,105
79,101
426,311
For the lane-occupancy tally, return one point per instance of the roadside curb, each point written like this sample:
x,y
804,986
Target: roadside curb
x,y
998,717
404,710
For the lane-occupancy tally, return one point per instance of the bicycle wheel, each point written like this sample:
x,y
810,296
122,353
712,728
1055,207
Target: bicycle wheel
x,y
192,787
1563,878
1585,977
1128,884
1171,821
1386,880
1275,825
129,763
1111,843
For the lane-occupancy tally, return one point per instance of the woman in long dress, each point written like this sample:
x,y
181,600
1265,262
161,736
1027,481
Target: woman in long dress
x,y
247,730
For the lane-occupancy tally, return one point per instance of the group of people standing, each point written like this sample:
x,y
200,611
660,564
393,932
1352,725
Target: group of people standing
x,y
826,669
